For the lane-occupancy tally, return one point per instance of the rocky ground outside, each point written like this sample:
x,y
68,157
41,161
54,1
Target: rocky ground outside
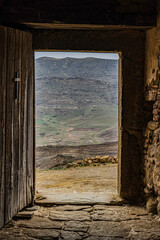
x,y
53,157
93,161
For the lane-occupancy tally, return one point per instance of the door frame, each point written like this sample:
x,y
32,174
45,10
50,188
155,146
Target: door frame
x,y
131,46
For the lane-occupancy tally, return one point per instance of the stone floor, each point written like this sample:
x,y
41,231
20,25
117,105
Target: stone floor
x,y
89,222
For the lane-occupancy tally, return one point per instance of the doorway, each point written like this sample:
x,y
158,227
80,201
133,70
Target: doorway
x,y
76,126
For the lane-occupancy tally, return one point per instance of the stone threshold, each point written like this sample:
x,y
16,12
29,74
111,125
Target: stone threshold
x,y
117,201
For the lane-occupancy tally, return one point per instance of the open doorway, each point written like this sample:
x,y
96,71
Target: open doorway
x,y
76,126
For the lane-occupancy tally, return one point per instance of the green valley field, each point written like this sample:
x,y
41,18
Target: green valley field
x,y
79,127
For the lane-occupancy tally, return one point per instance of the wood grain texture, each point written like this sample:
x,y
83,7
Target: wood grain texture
x,y
3,39
29,120
16,122
24,133
9,183
16,128
26,143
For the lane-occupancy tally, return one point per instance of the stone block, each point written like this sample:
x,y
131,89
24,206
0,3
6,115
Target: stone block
x,y
69,215
147,133
151,205
156,105
109,229
42,234
152,125
151,150
76,226
24,215
150,95
68,235
158,209
155,111
156,118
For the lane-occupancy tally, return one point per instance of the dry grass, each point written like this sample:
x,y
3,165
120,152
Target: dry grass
x,y
90,178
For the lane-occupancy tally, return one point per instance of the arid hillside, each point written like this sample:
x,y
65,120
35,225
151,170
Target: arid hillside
x,y
52,157
76,101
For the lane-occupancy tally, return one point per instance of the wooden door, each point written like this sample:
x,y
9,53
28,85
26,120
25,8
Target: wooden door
x,y
16,118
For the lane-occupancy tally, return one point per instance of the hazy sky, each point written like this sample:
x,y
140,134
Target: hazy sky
x,y
76,55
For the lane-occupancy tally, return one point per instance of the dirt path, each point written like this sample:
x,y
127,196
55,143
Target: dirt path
x,y
97,184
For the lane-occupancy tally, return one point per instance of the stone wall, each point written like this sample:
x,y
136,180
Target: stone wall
x,y
152,128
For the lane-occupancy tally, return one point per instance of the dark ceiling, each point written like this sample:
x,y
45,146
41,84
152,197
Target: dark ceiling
x,y
100,12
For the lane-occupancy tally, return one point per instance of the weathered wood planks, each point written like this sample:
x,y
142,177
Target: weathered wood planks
x,y
30,119
16,122
3,41
9,184
16,127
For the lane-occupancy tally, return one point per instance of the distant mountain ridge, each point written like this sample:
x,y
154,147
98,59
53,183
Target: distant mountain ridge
x,y
76,100
88,68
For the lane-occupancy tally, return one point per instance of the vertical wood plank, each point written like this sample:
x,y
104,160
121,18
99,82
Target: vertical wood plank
x,y
9,184
20,183
16,128
34,127
26,122
23,123
3,41
21,119
30,144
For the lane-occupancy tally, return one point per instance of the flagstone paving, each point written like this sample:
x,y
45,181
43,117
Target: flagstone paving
x,y
90,222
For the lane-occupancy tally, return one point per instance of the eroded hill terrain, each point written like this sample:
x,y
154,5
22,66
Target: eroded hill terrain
x,y
76,101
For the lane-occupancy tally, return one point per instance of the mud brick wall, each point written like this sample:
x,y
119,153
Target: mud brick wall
x,y
152,128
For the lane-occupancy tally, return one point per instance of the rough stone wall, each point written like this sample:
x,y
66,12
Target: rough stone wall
x,y
152,129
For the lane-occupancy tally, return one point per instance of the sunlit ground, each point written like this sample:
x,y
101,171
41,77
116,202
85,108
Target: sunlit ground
x,y
78,185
